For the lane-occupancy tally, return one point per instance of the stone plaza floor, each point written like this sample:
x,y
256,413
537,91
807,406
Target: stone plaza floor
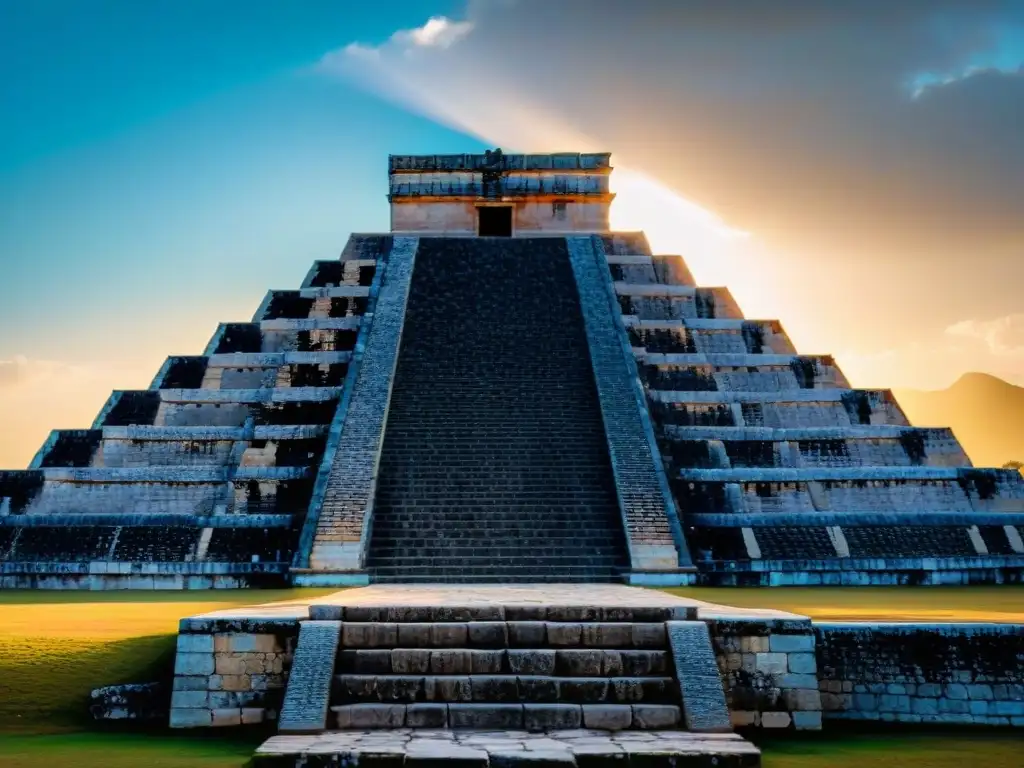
x,y
478,749
486,595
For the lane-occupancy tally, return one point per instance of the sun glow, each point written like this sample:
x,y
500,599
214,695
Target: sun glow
x,y
672,223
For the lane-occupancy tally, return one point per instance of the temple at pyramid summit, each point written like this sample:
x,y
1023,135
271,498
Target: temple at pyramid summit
x,y
501,389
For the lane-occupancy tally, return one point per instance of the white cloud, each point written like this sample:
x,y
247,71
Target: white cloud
x,y
355,50
465,92
438,32
1003,336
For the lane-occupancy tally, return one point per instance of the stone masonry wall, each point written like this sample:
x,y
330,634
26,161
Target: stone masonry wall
x,y
648,511
231,672
769,671
340,540
922,673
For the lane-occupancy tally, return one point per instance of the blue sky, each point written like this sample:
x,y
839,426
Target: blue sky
x,y
164,163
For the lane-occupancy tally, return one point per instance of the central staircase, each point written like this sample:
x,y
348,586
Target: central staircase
x,y
489,685
494,465
505,675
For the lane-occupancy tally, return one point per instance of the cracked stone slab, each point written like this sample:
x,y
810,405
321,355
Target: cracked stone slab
x,y
575,748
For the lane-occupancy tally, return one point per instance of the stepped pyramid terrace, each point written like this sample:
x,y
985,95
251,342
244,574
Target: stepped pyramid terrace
x,y
502,390
503,393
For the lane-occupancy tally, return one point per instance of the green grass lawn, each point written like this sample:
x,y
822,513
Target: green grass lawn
x,y
997,603
894,748
124,750
56,646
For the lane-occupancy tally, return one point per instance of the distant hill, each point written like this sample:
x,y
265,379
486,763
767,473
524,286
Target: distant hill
x,y
985,412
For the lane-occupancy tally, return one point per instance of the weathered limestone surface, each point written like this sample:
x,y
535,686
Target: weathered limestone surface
x,y
547,194
961,674
767,666
133,701
786,474
700,684
231,671
649,515
339,541
195,482
494,465
603,653
459,219
309,681
510,747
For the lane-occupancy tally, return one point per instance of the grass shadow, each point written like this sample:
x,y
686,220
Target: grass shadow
x,y
895,745
45,682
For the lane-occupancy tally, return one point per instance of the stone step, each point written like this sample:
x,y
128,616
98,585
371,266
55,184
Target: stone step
x,y
526,444
531,717
566,662
523,519
525,459
462,522
563,608
415,544
614,635
482,532
481,528
526,576
520,517
494,425
441,553
461,468
453,430
485,538
415,415
523,556
478,497
494,518
542,573
426,744
524,441
496,488
504,689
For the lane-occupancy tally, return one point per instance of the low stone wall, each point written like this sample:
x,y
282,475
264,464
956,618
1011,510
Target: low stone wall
x,y
922,673
231,671
779,671
100,576
863,571
134,701
769,670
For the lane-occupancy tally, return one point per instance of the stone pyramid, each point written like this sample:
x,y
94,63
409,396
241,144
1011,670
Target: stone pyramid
x,y
500,389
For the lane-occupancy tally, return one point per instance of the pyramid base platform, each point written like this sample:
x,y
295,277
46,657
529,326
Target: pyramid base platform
x,y
504,749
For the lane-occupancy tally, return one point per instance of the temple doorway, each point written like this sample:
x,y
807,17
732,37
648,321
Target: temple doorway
x,y
495,221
